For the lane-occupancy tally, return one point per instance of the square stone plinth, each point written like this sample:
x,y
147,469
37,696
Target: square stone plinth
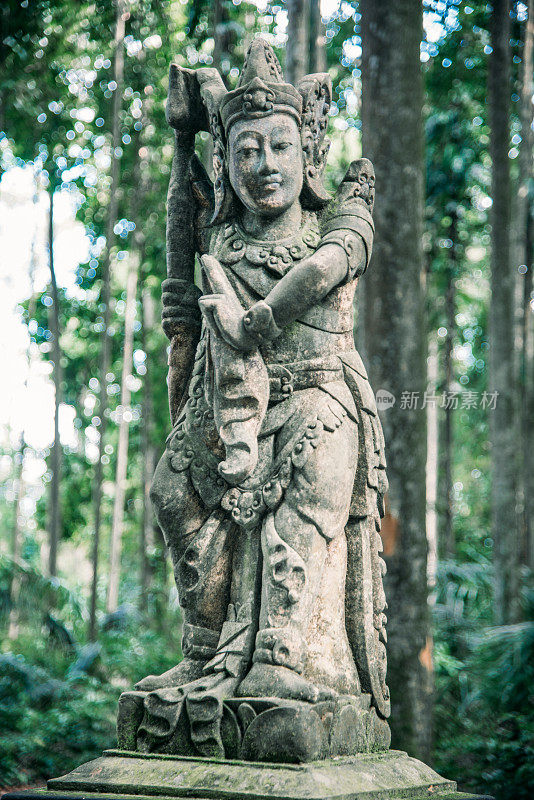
x,y
135,776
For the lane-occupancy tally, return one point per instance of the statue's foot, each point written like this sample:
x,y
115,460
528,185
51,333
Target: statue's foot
x,y
267,680
186,671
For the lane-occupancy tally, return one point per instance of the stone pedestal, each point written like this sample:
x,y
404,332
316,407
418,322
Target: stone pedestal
x,y
121,774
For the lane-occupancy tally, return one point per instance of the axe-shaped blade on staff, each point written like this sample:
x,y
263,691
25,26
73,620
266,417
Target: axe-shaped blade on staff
x,y
188,112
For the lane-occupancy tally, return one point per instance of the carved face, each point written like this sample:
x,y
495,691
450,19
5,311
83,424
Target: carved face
x,y
265,163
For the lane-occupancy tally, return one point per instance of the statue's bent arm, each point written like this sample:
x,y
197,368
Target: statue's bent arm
x,y
309,282
300,289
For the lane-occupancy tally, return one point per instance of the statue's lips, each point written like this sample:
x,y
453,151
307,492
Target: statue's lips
x,y
270,186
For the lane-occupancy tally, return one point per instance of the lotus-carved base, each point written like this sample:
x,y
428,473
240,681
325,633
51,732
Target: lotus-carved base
x,y
272,730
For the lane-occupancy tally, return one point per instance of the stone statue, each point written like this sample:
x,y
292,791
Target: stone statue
x,y
271,488
270,491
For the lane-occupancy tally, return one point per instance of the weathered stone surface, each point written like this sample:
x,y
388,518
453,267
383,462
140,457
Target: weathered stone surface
x,y
373,777
270,729
129,717
270,490
285,734
40,794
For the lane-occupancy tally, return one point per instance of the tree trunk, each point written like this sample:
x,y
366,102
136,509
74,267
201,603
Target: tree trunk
x,y
16,543
16,539
222,35
148,454
154,557
432,440
502,417
317,52
105,353
525,258
297,49
527,403
55,501
124,432
18,486
448,433
395,339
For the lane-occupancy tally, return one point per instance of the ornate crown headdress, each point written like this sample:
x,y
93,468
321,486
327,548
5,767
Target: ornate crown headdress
x,y
261,91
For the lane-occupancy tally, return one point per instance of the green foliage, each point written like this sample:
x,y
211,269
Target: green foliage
x,y
484,710
48,726
36,591
58,704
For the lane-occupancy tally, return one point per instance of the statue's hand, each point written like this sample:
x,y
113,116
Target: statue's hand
x,y
226,319
180,305
222,310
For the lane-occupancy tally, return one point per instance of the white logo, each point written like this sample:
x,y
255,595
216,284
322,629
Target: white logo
x,y
384,399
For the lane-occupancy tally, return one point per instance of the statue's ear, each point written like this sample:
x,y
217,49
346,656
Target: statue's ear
x,y
223,194
201,184
316,91
212,92
226,202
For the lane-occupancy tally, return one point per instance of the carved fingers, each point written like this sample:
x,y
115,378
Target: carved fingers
x,y
221,309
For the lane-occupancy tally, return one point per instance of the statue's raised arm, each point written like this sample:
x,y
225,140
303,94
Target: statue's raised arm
x,y
189,211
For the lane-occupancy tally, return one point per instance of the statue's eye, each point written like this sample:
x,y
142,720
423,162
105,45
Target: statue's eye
x,y
282,145
247,150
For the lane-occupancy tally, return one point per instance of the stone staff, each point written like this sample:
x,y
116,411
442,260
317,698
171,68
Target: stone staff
x,y
186,113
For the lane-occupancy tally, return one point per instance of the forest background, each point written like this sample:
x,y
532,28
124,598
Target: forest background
x,y
439,95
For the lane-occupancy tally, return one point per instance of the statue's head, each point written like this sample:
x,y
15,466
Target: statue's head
x,y
265,163
270,148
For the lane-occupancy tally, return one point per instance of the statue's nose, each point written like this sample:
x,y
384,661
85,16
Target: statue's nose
x,y
268,163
